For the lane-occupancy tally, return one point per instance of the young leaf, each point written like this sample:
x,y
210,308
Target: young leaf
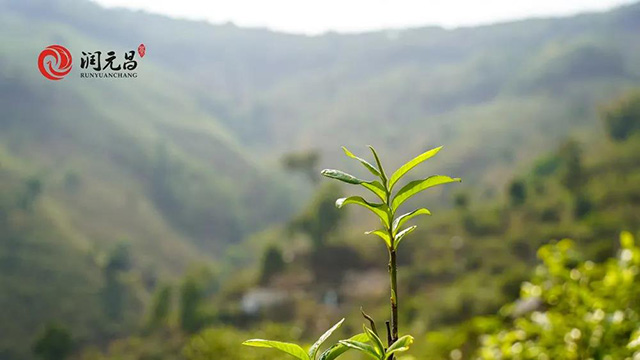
x,y
314,348
398,174
400,220
362,347
382,234
364,162
402,234
339,349
291,349
375,340
376,188
383,176
378,209
342,176
416,186
401,344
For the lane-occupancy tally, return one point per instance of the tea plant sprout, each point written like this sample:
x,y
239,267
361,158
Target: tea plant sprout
x,y
312,354
391,231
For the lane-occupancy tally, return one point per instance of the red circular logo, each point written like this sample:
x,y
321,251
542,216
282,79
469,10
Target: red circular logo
x,y
54,62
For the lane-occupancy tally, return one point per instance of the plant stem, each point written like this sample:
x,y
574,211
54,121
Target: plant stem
x,y
389,340
393,273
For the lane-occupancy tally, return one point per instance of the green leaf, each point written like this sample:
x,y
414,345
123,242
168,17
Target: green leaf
x,y
378,209
364,162
401,344
342,176
338,349
362,347
291,349
314,348
375,340
400,220
398,174
384,235
402,234
383,176
416,186
376,188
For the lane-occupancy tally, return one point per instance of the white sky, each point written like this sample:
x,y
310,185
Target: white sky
x,y
315,16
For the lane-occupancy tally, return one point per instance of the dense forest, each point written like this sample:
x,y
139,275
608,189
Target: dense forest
x,y
175,215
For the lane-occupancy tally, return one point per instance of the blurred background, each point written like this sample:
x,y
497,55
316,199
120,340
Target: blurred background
x,y
174,215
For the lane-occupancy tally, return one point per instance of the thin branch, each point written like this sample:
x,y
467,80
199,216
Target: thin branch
x,y
371,321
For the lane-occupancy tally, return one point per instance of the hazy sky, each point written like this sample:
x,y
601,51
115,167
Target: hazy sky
x,y
314,16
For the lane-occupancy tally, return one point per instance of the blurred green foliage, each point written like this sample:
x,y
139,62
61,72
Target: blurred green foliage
x,y
622,118
320,218
303,162
272,264
577,309
115,290
161,307
195,312
223,343
54,343
517,192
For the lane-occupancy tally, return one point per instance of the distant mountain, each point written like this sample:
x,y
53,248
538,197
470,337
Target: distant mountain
x,y
183,160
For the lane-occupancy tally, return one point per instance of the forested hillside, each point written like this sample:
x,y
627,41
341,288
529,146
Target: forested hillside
x,y
110,187
472,286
